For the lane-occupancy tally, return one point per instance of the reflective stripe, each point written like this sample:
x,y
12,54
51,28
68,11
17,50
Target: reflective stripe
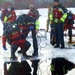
x,y
5,19
64,17
56,20
9,15
30,23
37,24
22,23
51,17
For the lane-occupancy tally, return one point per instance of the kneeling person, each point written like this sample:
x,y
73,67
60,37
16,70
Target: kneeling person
x,y
16,39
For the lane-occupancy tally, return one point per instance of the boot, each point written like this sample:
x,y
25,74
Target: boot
x,y
70,40
13,55
53,40
24,53
35,54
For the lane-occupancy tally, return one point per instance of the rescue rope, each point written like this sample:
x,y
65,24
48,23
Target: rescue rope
x,y
39,39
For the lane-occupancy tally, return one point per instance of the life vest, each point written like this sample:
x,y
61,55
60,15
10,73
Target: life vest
x,y
32,14
12,17
57,13
4,13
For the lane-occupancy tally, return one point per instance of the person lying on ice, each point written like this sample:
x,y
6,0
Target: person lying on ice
x,y
57,18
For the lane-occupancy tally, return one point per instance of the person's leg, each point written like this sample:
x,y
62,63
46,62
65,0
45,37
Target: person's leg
x,y
70,35
56,35
4,43
25,48
61,35
35,45
13,50
4,38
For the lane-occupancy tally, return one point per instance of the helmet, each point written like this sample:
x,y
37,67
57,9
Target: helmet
x,y
57,1
31,6
12,8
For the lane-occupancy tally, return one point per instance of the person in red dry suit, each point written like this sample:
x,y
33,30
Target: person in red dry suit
x,y
16,39
7,17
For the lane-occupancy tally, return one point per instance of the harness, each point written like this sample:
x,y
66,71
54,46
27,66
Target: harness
x,y
57,13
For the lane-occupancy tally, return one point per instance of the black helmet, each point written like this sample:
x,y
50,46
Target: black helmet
x,y
31,6
57,1
12,8
6,10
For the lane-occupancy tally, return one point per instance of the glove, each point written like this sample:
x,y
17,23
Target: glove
x,y
70,17
4,47
31,27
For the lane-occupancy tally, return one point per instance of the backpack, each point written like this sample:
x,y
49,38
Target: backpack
x,y
70,19
25,19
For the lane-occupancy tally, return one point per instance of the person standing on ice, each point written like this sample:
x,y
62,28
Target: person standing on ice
x,y
57,17
33,12
52,36
7,17
26,24
4,13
